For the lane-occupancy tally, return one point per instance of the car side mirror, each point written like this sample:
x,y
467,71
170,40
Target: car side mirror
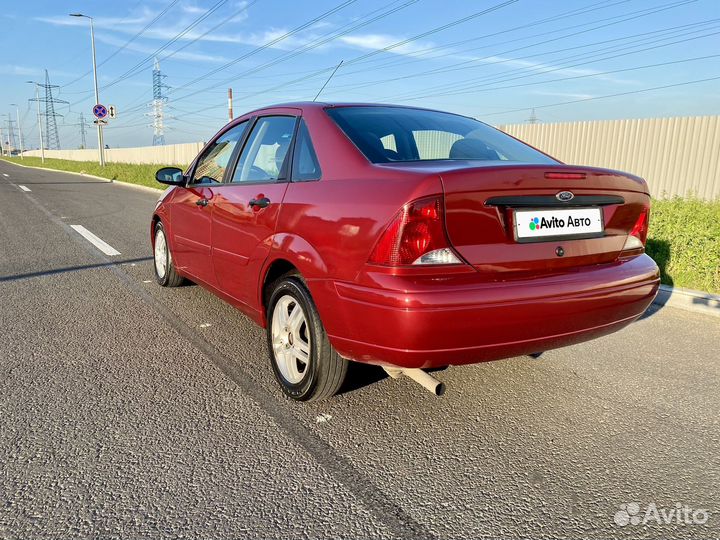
x,y
172,176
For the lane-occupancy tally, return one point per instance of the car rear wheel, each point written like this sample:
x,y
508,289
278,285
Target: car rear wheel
x,y
165,273
304,362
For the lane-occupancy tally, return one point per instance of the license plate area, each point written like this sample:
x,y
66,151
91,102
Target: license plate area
x,y
545,225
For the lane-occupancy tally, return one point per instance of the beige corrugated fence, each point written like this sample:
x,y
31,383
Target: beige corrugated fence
x,y
677,156
169,154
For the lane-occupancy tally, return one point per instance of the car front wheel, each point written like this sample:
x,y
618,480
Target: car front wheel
x,y
304,362
165,273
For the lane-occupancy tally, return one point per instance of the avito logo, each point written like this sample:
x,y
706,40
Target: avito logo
x,y
558,223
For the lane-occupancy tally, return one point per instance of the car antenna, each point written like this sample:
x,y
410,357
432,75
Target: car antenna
x,y
328,80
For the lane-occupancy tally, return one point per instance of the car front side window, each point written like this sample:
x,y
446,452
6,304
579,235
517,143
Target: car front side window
x,y
211,166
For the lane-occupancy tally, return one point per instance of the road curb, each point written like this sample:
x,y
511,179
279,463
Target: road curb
x,y
138,186
689,300
85,175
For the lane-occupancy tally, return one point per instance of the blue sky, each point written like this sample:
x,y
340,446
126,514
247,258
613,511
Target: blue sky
x,y
491,59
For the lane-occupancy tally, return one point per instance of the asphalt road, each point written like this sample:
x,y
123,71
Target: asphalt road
x,y
128,410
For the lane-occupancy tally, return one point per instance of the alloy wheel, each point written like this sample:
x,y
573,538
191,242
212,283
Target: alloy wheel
x,y
161,254
290,339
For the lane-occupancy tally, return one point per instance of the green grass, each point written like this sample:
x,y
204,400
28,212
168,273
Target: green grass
x,y
143,175
685,242
684,233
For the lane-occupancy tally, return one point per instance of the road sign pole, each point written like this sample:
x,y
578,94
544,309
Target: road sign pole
x,y
101,145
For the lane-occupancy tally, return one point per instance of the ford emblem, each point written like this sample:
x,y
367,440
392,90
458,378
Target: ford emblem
x,y
565,196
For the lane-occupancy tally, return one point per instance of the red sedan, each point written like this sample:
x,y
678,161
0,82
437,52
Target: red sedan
x,y
402,237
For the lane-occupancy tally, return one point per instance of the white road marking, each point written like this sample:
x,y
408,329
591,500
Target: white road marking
x,y
205,325
6,175
322,418
24,188
147,281
103,246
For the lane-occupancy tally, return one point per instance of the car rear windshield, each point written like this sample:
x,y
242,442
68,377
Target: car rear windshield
x,y
397,134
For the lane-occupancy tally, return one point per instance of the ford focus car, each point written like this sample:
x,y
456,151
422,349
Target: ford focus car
x,y
401,237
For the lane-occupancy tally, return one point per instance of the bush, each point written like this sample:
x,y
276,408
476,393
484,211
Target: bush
x,y
684,240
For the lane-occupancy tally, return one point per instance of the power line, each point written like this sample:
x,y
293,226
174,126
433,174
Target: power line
x,y
269,43
623,18
592,7
138,66
197,38
303,48
470,88
128,42
347,28
342,31
417,55
591,75
488,89
464,64
364,56
221,23
187,29
141,32
137,71
697,81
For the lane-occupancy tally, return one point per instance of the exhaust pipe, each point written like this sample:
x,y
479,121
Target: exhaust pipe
x,y
421,377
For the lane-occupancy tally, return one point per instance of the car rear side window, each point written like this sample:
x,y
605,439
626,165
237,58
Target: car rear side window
x,y
213,163
397,134
264,156
305,162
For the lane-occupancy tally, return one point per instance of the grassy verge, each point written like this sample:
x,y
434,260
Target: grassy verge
x,y
684,233
685,242
143,175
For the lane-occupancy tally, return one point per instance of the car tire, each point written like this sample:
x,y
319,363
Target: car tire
x,y
304,362
163,265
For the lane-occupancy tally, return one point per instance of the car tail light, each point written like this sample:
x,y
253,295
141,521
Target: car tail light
x,y
416,235
637,238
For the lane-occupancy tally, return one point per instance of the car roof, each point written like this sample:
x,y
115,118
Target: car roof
x,y
306,105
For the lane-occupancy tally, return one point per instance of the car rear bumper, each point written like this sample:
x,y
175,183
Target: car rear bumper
x,y
431,322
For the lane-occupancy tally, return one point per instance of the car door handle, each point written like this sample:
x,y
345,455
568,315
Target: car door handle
x,y
202,202
263,202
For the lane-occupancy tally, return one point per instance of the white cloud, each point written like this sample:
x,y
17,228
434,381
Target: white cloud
x,y
29,71
182,55
100,22
382,41
193,9
569,95
11,69
170,25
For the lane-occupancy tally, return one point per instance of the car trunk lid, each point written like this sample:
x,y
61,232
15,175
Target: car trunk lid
x,y
488,209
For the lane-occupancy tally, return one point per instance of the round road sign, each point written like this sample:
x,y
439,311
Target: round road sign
x,y
100,111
